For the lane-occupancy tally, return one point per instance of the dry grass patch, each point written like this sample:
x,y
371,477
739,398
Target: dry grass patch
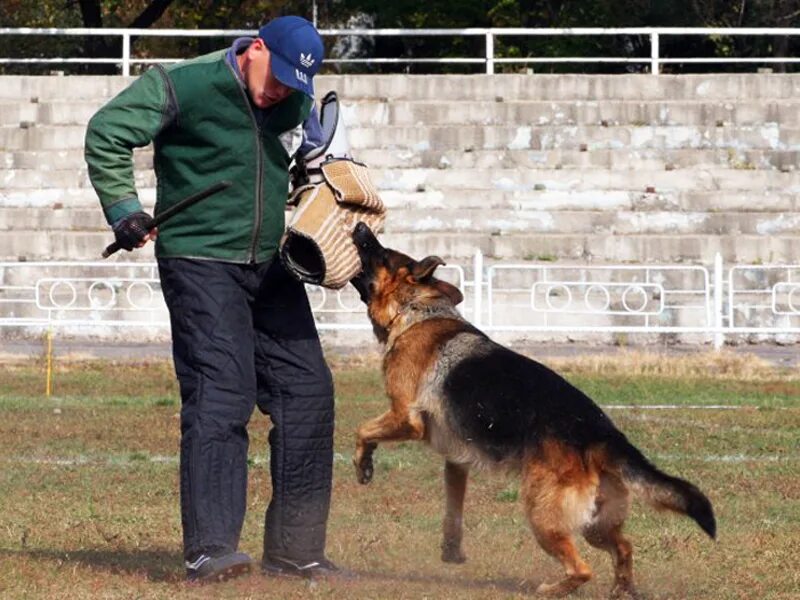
x,y
723,364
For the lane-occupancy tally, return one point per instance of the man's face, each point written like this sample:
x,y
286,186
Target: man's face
x,y
262,86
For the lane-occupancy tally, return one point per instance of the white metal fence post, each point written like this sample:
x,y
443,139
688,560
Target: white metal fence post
x,y
654,53
477,286
126,54
489,53
719,336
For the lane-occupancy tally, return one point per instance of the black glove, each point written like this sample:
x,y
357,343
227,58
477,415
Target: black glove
x,y
131,230
298,175
298,180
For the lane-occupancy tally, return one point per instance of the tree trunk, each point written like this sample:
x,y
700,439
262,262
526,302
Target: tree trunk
x,y
150,14
111,47
95,46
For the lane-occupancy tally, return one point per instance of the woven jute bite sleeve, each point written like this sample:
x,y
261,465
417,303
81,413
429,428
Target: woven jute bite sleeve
x,y
318,245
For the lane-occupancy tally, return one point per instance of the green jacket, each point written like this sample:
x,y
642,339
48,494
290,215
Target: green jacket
x,y
204,130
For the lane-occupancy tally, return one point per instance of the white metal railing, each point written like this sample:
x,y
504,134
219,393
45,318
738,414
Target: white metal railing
x,y
773,293
97,297
619,295
490,35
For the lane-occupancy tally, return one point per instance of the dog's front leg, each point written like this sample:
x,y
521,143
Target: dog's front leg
x,y
455,487
391,426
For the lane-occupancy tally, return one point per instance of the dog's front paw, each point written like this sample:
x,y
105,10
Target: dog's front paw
x,y
364,469
453,554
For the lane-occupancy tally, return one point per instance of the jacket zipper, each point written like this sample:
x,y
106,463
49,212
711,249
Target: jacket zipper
x,y
259,177
259,192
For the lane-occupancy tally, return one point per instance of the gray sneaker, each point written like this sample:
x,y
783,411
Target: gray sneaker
x,y
308,569
209,569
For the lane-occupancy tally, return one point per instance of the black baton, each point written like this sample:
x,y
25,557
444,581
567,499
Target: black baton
x,y
173,210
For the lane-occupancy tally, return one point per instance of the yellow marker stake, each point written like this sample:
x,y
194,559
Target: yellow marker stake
x,y
49,362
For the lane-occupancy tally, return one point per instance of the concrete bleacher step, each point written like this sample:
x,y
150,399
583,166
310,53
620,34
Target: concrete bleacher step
x,y
70,158
58,198
374,112
43,88
401,158
621,159
504,179
496,221
489,220
585,137
537,112
561,87
735,248
699,249
614,200
564,87
715,201
42,137
454,180
77,112
477,137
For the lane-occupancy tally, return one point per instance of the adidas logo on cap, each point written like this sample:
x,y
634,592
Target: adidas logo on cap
x,y
306,60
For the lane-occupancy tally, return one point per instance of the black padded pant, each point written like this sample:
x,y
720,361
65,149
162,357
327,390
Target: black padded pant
x,y
244,335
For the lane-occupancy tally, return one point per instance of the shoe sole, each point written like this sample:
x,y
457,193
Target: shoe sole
x,y
227,574
307,575
285,574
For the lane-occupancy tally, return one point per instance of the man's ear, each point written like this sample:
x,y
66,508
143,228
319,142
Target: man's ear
x,y
425,267
449,290
255,47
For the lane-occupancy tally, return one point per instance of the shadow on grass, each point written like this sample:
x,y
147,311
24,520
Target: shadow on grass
x,y
156,565
523,586
160,565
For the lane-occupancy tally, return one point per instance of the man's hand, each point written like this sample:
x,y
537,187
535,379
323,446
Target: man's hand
x,y
131,231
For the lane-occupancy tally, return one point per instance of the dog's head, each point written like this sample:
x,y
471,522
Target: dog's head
x,y
391,281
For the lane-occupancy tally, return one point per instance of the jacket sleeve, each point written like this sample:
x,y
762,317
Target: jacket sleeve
x,y
131,119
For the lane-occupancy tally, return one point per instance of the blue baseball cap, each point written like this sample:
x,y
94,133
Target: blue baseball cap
x,y
296,51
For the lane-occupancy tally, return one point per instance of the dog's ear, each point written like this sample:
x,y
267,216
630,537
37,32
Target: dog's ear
x,y
423,270
425,267
449,290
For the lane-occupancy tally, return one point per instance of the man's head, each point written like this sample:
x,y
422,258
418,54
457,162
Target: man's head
x,y
284,57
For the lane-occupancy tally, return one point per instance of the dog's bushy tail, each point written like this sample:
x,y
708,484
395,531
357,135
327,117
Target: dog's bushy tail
x,y
661,490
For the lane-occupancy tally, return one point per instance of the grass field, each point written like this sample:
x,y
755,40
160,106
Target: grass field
x,y
89,506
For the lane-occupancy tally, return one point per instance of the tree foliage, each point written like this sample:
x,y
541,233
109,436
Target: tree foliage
x,y
249,14
585,13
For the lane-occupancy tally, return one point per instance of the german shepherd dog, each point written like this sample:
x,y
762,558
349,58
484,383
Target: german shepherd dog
x,y
479,404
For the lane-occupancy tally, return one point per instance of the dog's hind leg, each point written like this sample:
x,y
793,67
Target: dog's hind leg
x,y
391,426
560,544
557,492
455,486
605,532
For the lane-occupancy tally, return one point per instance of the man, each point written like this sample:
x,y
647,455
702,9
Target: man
x,y
242,330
